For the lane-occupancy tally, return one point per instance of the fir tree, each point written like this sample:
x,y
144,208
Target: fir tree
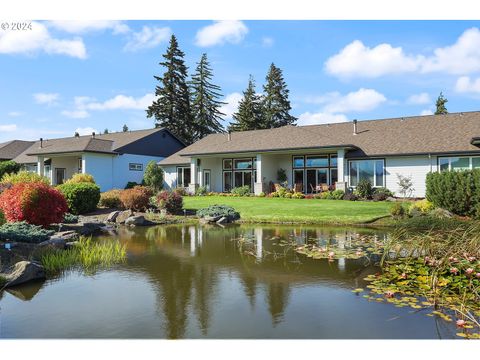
x,y
205,101
276,106
249,113
171,109
440,104
125,128
105,131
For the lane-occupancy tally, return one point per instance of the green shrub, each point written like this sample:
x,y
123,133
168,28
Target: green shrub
x,y
2,218
456,191
111,199
81,197
181,191
364,189
137,198
131,185
201,191
171,201
397,210
423,206
9,167
80,178
241,190
70,218
298,195
153,176
332,195
218,210
350,196
288,195
24,177
381,194
24,232
261,194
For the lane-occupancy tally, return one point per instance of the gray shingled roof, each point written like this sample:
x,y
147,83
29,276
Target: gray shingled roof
x,y
451,133
11,149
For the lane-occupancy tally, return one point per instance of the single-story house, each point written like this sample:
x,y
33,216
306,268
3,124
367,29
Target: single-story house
x,y
113,159
11,149
339,154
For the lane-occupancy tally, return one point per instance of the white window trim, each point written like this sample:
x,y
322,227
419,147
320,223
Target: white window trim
x,y
470,161
374,177
135,166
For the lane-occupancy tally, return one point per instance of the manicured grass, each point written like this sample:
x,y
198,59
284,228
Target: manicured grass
x,y
312,211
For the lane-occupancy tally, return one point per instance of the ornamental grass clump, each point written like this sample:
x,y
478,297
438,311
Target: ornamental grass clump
x,y
36,203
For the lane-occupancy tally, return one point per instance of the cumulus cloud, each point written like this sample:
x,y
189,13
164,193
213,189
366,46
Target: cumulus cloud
x,y
15,113
360,100
221,32
465,84
426,112
86,130
8,127
309,118
147,38
45,98
267,41
121,102
359,60
84,26
39,40
419,99
76,114
231,105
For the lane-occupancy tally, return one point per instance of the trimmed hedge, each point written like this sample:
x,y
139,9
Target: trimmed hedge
x,y
81,197
456,191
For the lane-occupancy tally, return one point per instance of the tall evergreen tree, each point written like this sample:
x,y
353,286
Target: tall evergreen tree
x,y
276,106
172,107
105,131
440,104
205,101
249,113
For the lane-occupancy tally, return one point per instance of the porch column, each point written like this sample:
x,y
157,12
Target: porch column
x,y
258,185
84,164
193,176
341,182
41,165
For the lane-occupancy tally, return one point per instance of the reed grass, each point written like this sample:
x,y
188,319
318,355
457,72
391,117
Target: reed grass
x,y
88,254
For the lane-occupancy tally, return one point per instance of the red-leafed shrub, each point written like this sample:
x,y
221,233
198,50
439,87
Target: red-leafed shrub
x,y
137,198
172,201
34,202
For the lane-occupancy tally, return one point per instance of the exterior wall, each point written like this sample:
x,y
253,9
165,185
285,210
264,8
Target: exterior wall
x,y
170,177
216,173
272,163
121,172
69,163
415,166
100,166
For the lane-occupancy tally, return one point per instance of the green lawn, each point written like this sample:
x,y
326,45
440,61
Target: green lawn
x,y
313,211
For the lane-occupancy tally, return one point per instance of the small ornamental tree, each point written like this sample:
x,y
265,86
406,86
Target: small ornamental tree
x,y
81,197
405,185
8,167
35,202
153,176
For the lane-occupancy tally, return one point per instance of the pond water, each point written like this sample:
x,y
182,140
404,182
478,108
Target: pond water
x,y
199,282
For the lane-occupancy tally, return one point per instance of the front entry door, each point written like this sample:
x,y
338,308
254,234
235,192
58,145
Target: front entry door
x,y
59,176
206,179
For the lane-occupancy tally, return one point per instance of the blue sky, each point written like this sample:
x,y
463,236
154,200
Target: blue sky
x,y
61,77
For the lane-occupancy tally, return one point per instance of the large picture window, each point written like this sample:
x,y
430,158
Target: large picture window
x,y
458,163
371,170
238,172
183,177
310,171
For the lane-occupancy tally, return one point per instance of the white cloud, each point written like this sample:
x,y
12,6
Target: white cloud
x,y
84,26
419,99
122,102
8,128
86,130
360,100
426,112
221,32
46,98
39,40
358,60
267,41
15,113
76,114
147,38
231,105
466,85
309,118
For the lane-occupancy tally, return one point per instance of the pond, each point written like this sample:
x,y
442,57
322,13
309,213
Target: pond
x,y
187,281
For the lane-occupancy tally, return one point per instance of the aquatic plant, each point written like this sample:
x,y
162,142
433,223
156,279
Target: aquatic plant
x,y
88,254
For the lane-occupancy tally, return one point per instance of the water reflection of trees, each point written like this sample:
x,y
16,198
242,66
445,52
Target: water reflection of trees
x,y
187,261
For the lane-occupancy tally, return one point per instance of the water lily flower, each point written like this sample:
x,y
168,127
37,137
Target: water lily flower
x,y
471,258
461,323
478,275
454,270
403,276
331,254
389,294
469,271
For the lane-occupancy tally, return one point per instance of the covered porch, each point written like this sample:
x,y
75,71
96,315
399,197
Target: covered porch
x,y
306,171
59,168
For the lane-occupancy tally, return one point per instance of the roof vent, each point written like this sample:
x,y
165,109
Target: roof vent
x,y
41,142
229,135
355,127
93,135
77,134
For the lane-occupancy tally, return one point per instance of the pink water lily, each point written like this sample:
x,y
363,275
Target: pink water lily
x,y
331,254
471,258
478,275
454,270
403,276
469,271
461,323
389,294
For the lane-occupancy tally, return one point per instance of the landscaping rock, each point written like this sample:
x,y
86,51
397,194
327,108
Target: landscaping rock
x,y
123,215
138,220
55,243
112,217
223,220
87,228
71,244
391,199
212,219
23,272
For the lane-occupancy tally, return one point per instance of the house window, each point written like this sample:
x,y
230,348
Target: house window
x,y
458,163
310,171
135,167
227,164
238,172
79,162
298,162
316,161
242,163
183,177
371,170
